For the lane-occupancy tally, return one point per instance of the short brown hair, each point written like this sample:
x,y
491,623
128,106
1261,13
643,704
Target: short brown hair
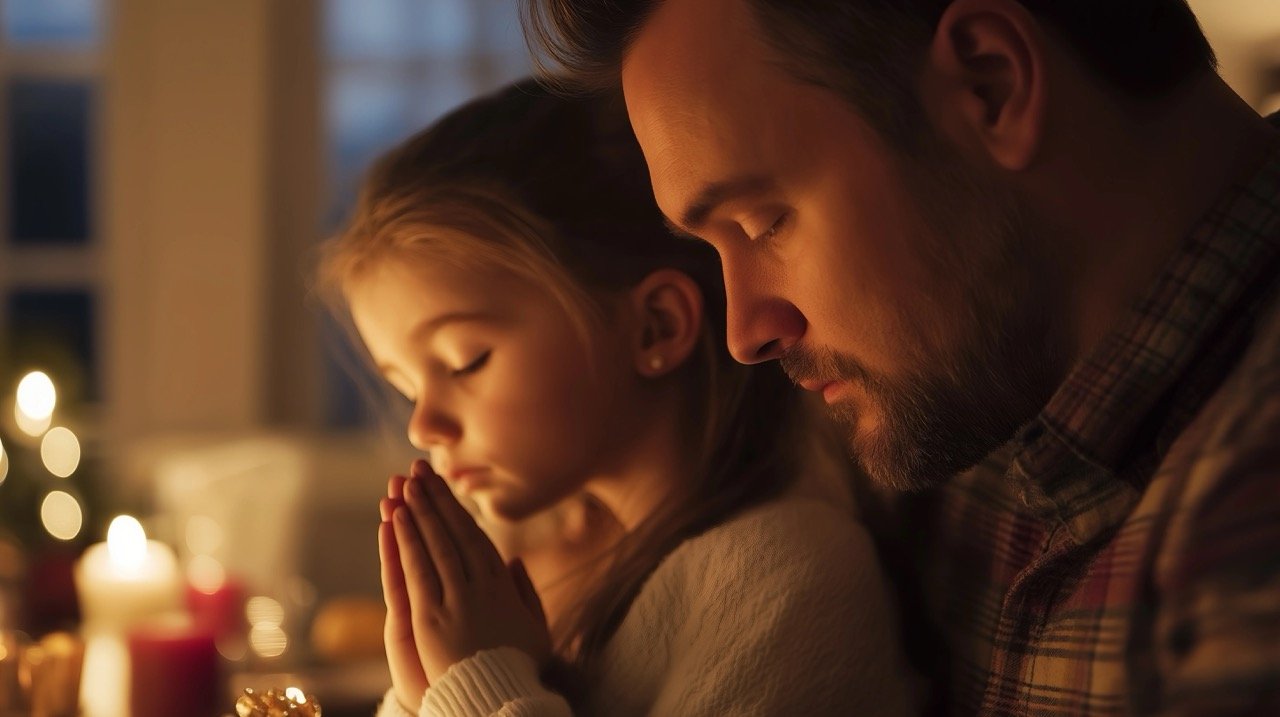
x,y
868,50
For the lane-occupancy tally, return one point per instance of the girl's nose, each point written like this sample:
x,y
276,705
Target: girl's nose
x,y
429,426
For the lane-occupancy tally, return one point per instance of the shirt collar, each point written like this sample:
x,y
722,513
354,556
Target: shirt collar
x,y
1075,459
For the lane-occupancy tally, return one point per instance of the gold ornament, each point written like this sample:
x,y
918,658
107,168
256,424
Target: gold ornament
x,y
277,703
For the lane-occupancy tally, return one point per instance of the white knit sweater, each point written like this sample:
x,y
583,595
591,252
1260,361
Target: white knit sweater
x,y
781,611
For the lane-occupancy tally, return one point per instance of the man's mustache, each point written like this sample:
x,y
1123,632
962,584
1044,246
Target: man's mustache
x,y
802,364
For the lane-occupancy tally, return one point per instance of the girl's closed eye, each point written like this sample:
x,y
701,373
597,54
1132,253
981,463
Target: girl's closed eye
x,y
474,365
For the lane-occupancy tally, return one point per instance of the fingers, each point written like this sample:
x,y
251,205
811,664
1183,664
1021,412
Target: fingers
x,y
432,539
421,468
479,556
395,487
405,566
387,506
395,497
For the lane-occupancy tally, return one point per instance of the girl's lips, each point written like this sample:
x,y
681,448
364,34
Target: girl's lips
x,y
467,479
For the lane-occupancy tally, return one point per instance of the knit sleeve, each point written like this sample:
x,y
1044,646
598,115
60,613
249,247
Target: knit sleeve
x,y
492,683
391,707
788,614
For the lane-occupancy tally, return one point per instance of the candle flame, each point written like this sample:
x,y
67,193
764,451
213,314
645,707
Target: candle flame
x,y
126,542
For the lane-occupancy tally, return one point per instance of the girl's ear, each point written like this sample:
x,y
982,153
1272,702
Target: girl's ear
x,y
668,308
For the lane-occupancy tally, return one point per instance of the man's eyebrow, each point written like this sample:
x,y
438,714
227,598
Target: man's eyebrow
x,y
717,193
678,232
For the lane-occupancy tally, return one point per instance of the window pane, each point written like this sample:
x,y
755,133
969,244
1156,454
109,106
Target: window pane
x,y
53,331
52,21
368,112
368,28
500,20
399,28
446,26
48,152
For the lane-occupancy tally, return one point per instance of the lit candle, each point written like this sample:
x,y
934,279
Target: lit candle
x,y
126,579
121,583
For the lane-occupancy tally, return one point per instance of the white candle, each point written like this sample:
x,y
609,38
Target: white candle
x,y
126,579
121,583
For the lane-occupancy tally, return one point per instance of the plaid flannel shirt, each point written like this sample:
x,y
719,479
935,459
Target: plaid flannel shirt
x,y
1122,554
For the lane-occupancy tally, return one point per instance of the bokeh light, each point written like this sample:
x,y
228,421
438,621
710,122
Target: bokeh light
x,y
204,535
31,426
264,611
206,574
60,451
61,515
36,395
4,463
268,640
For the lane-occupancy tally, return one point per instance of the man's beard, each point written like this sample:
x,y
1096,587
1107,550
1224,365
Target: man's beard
x,y
929,427
961,402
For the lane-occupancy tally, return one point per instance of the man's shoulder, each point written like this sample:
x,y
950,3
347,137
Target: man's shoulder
x,y
1243,414
1219,480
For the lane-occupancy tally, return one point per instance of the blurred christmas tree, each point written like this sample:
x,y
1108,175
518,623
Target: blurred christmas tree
x,y
48,500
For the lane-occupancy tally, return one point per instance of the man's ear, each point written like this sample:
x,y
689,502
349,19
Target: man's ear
x,y
985,79
668,307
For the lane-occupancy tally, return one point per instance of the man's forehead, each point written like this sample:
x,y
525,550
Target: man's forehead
x,y
681,77
689,42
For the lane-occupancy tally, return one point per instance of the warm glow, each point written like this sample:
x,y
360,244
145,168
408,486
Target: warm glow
x,y
264,611
206,574
1271,105
296,694
60,451
126,543
61,515
204,535
36,395
4,463
31,426
232,647
268,640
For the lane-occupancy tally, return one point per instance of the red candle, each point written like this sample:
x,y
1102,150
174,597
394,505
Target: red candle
x,y
173,670
218,609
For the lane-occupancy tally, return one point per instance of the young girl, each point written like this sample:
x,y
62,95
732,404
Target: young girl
x,y
509,273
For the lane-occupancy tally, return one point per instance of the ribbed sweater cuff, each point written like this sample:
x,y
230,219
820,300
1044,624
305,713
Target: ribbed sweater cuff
x,y
391,707
483,683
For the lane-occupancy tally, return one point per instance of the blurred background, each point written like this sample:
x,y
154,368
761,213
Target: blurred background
x,y
167,168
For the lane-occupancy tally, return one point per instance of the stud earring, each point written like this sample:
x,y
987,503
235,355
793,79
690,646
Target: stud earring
x,y
656,363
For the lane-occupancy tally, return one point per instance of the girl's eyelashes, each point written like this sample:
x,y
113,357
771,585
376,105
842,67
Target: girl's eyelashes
x,y
475,365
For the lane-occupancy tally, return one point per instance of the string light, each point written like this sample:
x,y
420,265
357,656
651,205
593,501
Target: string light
x,y
61,515
37,396
60,451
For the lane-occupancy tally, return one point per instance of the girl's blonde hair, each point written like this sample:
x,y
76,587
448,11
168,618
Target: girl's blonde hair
x,y
555,191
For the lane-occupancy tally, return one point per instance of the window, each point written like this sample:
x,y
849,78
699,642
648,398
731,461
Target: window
x,y
49,277
394,66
